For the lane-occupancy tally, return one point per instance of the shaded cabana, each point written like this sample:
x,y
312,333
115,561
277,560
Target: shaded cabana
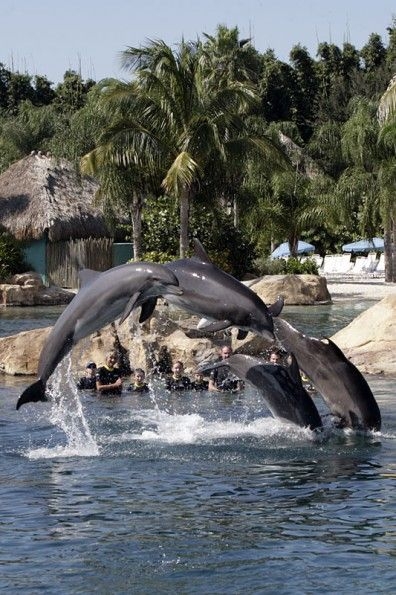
x,y
45,203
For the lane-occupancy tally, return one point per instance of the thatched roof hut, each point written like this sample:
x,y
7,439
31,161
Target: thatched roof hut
x,y
41,195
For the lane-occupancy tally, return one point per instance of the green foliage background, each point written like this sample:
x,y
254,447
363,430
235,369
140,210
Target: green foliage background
x,y
226,246
11,257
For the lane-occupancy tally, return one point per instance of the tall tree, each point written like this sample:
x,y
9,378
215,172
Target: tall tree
x,y
366,189
387,121
175,119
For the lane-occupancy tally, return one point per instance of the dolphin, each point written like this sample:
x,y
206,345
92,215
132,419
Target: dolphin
x,y
341,384
103,298
280,386
222,300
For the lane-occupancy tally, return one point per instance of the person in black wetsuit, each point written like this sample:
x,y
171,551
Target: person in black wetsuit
x,y
109,378
199,383
177,381
163,365
221,379
138,385
89,380
275,356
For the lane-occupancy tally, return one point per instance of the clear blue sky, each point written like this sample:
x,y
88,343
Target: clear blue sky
x,y
48,37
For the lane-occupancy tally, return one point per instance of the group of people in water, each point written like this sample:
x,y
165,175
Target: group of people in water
x,y
109,379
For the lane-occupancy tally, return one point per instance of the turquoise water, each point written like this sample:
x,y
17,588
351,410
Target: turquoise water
x,y
193,493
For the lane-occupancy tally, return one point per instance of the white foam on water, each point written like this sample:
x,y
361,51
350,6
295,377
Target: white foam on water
x,y
160,426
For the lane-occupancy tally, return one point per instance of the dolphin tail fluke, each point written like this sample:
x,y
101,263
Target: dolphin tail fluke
x,y
35,392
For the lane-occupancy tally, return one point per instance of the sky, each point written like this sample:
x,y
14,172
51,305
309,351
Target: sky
x,y
48,37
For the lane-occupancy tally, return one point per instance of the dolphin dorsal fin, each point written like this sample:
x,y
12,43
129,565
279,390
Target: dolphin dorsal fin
x,y
276,308
200,252
86,276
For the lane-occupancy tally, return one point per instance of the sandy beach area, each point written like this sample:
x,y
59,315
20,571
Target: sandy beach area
x,y
368,289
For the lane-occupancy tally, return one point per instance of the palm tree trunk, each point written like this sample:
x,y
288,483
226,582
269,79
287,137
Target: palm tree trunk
x,y
184,216
236,213
293,245
392,275
136,220
390,247
388,252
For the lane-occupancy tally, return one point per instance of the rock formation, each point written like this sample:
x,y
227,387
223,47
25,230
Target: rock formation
x,y
28,289
369,341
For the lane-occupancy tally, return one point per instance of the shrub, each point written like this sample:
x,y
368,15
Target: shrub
x,y
280,266
268,266
296,267
309,267
159,257
11,257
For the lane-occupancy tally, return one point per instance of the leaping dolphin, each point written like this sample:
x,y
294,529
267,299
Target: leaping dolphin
x,y
340,383
222,300
103,298
280,387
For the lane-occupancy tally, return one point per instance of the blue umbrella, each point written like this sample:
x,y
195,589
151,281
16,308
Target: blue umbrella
x,y
374,244
283,249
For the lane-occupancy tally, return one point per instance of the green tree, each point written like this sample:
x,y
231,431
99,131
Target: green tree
x,y
306,89
387,121
175,122
71,93
373,52
30,129
366,189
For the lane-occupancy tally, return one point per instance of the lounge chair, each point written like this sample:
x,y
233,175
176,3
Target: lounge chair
x,y
380,268
371,264
360,265
336,265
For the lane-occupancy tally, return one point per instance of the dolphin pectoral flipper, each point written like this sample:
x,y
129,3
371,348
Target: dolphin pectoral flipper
x,y
241,334
294,371
32,394
129,306
147,309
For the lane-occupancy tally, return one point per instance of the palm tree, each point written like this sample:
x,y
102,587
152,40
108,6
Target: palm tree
x,y
368,184
124,182
174,121
187,121
387,121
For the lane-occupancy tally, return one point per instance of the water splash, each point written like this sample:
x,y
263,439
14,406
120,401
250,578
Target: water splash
x,y
67,414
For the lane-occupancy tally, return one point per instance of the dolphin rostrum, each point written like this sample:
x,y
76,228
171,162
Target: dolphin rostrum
x,y
222,300
341,384
103,298
280,386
